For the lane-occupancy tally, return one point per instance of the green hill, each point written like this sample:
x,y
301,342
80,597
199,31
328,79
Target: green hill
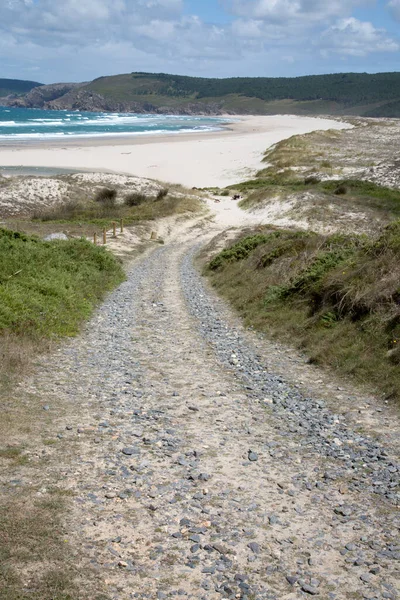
x,y
16,86
359,94
343,93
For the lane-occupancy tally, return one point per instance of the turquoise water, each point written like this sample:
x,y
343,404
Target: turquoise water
x,y
34,124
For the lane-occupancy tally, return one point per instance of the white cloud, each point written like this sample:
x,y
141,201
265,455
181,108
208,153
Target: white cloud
x,y
356,38
292,10
82,39
394,7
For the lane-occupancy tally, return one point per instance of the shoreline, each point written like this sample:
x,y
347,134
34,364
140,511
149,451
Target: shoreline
x,y
201,159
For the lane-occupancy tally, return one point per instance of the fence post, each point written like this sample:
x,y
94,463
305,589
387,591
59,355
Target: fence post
x,y
122,225
95,239
104,236
114,229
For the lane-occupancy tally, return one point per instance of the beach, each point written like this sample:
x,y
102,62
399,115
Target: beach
x,y
204,159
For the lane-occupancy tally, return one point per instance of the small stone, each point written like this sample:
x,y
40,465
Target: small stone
x,y
193,408
350,547
291,579
209,570
273,519
344,511
366,577
110,495
254,547
253,456
309,589
129,451
122,564
46,407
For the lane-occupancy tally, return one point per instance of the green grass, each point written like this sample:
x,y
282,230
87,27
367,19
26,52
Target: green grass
x,y
336,296
48,288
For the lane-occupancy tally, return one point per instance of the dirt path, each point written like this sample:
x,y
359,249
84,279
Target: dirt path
x,y
197,470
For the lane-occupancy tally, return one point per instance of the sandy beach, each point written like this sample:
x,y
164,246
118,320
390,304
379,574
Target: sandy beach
x,y
214,159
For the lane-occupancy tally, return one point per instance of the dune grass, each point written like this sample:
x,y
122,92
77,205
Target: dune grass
x,y
336,296
135,208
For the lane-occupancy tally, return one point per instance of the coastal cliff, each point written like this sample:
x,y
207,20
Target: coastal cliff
x,y
358,94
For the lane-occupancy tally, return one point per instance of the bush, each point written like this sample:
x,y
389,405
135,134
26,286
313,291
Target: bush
x,y
312,180
135,199
106,196
340,190
162,193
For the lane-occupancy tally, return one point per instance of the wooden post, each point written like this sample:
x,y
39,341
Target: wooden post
x,y
114,229
95,239
153,235
104,236
122,225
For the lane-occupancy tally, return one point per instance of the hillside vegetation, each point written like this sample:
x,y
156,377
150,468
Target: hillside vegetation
x,y
16,86
360,94
350,93
336,296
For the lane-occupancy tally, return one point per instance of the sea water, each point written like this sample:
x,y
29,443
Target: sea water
x,y
19,124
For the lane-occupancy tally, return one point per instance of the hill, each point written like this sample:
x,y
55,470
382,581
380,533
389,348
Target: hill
x,y
360,94
16,86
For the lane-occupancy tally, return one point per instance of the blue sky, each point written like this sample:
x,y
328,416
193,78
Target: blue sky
x,y
77,40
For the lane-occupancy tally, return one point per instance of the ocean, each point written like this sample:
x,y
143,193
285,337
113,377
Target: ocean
x,y
34,124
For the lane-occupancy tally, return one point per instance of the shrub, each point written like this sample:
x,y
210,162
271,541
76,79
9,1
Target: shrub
x,y
311,180
135,199
162,193
340,190
106,196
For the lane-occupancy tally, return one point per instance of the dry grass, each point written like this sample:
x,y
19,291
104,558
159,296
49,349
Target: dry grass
x,y
334,296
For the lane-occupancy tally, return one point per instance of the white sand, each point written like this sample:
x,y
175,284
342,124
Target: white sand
x,y
202,160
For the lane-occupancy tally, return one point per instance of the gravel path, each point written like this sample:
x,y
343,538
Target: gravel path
x,y
199,473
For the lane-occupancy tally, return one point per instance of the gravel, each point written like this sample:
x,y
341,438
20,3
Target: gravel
x,y
187,482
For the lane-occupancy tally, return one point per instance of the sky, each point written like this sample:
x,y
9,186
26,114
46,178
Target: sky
x,y
78,40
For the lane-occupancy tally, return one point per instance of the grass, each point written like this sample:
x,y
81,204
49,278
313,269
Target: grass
x,y
299,165
137,207
47,289
34,559
336,296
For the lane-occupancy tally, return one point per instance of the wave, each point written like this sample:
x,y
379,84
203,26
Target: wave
x,y
48,136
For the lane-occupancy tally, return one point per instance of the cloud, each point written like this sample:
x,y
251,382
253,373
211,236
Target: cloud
x,y
278,11
394,7
356,38
82,39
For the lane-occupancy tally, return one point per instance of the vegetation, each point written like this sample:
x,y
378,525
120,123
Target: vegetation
x,y
135,199
337,296
16,86
136,207
298,165
31,535
106,197
342,93
48,288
